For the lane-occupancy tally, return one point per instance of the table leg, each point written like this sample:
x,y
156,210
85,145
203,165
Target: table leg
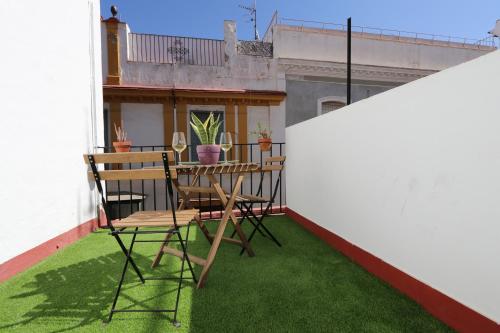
x,y
159,255
229,206
220,230
186,204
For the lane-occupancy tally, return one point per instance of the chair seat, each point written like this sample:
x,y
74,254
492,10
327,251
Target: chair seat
x,y
249,198
158,218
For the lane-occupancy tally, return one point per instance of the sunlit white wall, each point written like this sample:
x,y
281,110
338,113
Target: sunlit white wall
x,y
412,176
51,92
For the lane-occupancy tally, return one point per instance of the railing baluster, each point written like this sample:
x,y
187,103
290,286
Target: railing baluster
x,y
271,178
281,182
251,160
154,186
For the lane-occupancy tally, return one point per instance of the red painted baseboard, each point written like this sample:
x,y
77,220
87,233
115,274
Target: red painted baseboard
x,y
31,257
448,310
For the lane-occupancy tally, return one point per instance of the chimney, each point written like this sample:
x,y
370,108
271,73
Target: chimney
x,y
230,39
113,44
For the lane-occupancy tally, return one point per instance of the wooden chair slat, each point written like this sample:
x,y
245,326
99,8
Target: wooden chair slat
x,y
275,159
197,189
134,174
270,167
132,157
197,260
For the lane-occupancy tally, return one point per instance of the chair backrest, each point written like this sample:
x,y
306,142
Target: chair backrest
x,y
273,163
131,158
164,172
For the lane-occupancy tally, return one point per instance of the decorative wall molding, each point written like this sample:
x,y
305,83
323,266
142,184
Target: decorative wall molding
x,y
360,72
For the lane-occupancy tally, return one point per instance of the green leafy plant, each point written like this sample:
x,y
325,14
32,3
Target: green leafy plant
x,y
206,131
261,132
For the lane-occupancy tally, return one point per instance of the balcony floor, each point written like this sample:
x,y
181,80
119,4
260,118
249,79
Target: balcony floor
x,y
305,286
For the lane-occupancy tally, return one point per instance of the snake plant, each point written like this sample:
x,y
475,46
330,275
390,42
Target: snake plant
x,y
206,131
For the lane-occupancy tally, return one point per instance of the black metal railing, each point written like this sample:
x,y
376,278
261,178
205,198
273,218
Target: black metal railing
x,y
174,49
125,197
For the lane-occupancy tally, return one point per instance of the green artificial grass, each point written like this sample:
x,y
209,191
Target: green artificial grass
x,y
305,286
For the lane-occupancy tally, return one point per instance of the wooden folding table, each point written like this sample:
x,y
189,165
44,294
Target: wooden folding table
x,y
228,202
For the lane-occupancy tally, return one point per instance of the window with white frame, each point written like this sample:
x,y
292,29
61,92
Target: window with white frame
x,y
330,103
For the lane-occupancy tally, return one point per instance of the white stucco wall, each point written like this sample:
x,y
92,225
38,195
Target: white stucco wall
x,y
51,116
143,123
330,45
412,176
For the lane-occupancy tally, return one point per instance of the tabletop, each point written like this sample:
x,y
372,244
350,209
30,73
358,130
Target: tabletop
x,y
203,170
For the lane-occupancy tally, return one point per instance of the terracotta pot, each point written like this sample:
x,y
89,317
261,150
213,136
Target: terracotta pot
x,y
265,144
208,154
122,146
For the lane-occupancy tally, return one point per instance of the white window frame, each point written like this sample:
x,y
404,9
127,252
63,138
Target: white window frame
x,y
341,99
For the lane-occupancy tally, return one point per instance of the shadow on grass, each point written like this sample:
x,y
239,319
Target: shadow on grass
x,y
83,292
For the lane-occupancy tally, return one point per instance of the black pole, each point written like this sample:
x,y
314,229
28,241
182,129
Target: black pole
x,y
255,20
348,61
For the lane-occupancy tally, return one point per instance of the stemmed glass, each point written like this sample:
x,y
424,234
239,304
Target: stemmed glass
x,y
225,143
179,143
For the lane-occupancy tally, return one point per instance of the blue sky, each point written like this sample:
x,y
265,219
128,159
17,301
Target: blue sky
x,y
464,18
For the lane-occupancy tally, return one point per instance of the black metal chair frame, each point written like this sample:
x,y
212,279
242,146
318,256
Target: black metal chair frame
x,y
128,252
246,209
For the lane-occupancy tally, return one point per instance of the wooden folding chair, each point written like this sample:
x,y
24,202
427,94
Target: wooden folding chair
x,y
246,202
165,222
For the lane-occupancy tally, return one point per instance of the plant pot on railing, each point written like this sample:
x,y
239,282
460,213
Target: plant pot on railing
x,y
122,146
264,137
208,154
265,143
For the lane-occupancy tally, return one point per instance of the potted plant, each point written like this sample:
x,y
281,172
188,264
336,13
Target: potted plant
x,y
263,137
122,145
208,152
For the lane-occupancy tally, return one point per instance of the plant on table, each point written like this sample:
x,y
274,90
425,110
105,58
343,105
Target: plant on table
x,y
208,152
122,145
263,137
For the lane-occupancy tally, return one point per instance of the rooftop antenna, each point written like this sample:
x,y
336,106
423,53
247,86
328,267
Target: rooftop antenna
x,y
252,11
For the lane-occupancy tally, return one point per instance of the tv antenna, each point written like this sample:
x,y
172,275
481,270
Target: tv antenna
x,y
252,11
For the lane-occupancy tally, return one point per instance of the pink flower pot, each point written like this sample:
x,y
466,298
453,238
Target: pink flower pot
x,y
208,154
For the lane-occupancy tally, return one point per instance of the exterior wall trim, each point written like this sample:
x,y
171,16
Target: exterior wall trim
x,y
359,71
32,257
35,255
148,94
443,307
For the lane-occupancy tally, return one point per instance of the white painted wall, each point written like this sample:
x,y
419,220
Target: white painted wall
x,y
143,123
51,116
412,176
330,45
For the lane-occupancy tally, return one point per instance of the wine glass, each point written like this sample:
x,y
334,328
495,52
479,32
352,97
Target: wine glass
x,y
225,143
179,143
